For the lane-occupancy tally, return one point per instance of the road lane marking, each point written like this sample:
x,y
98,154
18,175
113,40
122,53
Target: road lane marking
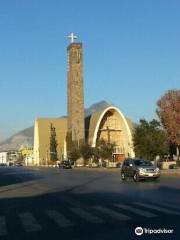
x,y
86,215
29,222
160,209
58,218
112,213
136,211
3,229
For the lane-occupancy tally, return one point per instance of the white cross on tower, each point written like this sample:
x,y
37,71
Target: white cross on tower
x,y
72,37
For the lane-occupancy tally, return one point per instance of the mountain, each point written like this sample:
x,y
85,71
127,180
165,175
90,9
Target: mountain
x,y
22,138
26,136
96,107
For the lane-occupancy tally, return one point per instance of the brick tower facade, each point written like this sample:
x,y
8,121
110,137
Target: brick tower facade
x,y
75,92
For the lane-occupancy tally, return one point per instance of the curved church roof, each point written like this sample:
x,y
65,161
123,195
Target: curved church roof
x,y
93,122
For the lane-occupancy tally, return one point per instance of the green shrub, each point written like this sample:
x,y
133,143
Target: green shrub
x,y
173,166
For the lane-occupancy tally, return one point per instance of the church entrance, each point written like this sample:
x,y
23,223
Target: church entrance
x,y
118,157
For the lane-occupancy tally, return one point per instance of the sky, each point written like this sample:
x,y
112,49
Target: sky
x,y
131,56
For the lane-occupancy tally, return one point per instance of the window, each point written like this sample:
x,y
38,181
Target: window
x,y
140,162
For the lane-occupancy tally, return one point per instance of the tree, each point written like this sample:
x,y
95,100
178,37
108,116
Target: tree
x,y
53,144
86,151
168,110
150,140
106,149
74,153
96,154
103,150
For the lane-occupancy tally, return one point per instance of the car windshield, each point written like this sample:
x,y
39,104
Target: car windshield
x,y
140,162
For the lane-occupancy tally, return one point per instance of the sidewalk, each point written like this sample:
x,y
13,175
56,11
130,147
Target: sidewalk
x,y
171,172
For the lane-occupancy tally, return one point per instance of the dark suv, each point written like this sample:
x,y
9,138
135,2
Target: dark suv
x,y
65,165
139,169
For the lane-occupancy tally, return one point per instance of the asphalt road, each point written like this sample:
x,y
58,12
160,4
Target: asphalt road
x,y
45,203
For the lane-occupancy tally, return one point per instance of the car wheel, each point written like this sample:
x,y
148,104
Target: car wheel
x,y
136,177
123,177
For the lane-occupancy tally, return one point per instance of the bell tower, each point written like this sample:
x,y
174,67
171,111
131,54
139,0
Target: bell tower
x,y
75,90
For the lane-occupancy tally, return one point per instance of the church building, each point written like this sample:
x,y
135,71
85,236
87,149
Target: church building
x,y
109,123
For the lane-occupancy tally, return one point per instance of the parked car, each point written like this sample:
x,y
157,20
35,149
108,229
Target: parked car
x,y
3,164
139,169
19,164
65,165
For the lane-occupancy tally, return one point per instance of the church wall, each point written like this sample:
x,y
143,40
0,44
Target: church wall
x,y
36,144
42,133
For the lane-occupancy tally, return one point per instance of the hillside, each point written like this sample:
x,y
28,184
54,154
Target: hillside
x,y
22,138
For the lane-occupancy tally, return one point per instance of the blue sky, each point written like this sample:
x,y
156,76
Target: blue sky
x,y
131,56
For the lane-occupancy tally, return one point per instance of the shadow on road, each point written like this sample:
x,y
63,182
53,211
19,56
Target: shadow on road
x,y
64,201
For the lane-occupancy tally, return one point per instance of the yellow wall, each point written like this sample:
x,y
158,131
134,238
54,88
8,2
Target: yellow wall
x,y
42,134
